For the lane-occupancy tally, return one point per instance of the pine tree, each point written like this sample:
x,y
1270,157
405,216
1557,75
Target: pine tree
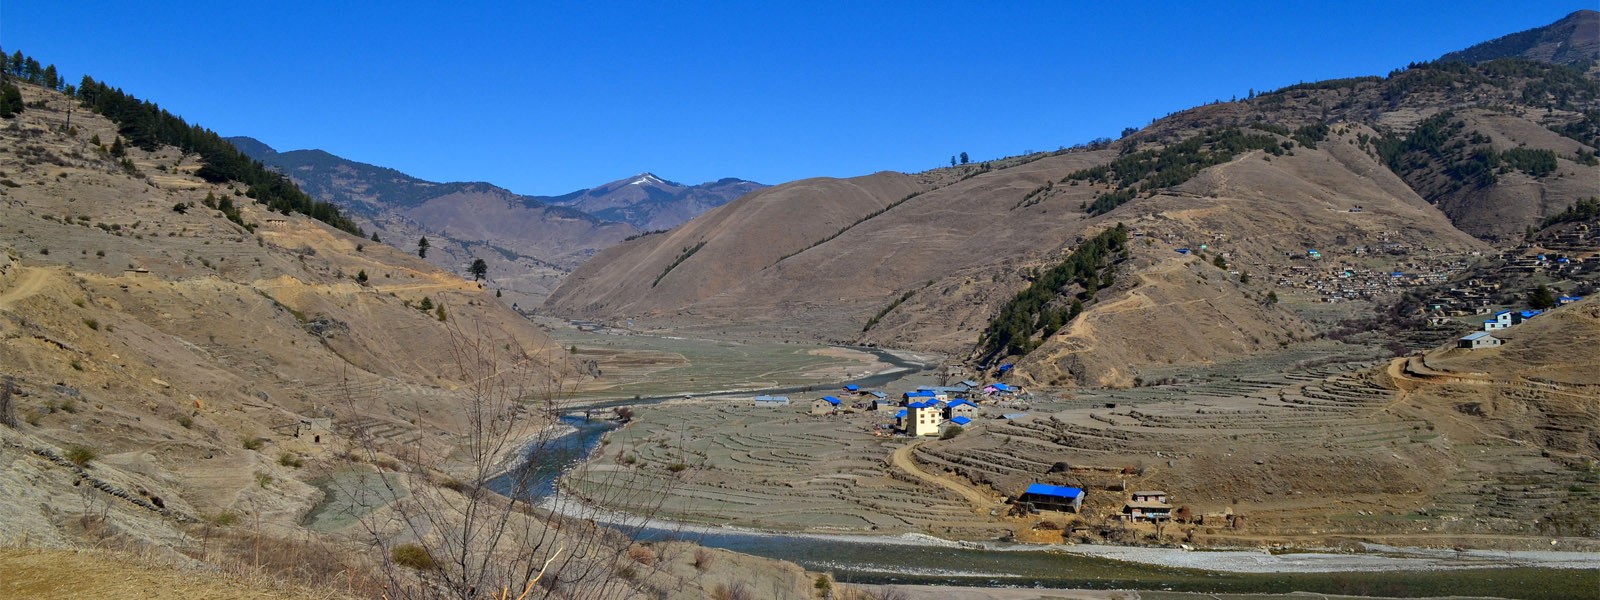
x,y
361,277
1542,298
422,247
964,158
10,101
117,149
375,237
478,269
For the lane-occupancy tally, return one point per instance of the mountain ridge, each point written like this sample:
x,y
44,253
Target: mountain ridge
x,y
1572,40
529,242
1404,162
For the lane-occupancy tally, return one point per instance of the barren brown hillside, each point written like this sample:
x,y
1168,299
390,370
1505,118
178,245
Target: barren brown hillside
x,y
669,270
164,339
963,247
270,401
1376,174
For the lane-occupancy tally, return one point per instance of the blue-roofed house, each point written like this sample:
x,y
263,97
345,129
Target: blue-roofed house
x,y
969,384
962,421
922,418
1041,496
824,405
961,408
852,388
1502,319
772,401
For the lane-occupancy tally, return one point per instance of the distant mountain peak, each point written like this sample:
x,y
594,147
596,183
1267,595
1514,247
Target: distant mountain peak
x,y
251,147
648,178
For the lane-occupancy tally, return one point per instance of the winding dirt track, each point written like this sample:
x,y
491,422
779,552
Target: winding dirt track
x,y
902,460
29,282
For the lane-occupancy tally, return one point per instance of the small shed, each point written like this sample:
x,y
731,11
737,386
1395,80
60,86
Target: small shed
x,y
962,421
772,401
1481,339
1042,496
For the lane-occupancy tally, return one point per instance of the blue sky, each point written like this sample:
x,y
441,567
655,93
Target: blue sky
x,y
547,97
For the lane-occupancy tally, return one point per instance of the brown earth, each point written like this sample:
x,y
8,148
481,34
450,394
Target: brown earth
x,y
1494,447
190,389
966,244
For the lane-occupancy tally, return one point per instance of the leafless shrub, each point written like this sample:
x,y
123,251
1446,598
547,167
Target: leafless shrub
x,y
703,559
737,591
8,415
469,506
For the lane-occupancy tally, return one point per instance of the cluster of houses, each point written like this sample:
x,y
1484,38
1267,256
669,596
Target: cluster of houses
x,y
1342,282
927,410
1521,261
1501,321
931,410
1148,506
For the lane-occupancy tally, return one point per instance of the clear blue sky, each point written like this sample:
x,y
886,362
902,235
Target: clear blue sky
x,y
547,97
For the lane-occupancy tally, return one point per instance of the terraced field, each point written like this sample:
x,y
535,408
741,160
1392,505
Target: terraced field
x,y
1336,448
770,468
1309,444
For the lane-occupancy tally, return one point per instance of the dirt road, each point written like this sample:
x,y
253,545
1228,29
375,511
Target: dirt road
x,y
981,502
29,282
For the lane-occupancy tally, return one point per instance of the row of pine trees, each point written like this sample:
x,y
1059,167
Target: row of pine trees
x,y
148,126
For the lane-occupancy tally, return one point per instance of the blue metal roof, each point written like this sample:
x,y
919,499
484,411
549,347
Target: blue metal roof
x,y
852,387
831,400
1000,386
1058,491
920,394
901,414
880,395
961,402
927,404
969,383
961,420
1006,367
1527,314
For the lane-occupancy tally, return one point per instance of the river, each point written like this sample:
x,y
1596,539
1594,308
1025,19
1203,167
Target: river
x,y
922,560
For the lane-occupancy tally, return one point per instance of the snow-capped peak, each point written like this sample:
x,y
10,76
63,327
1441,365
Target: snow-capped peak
x,y
647,178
